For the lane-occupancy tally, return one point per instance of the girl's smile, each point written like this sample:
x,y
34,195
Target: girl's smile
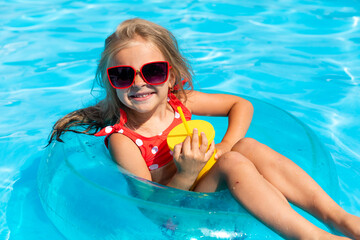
x,y
141,96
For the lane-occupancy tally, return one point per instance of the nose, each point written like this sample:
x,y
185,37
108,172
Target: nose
x,y
139,81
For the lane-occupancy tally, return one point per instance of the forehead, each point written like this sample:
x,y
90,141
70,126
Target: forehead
x,y
137,53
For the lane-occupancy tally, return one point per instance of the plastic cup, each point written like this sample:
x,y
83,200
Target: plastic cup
x,y
179,133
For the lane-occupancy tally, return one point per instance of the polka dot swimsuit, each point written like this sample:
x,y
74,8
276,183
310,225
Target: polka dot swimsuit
x,y
154,150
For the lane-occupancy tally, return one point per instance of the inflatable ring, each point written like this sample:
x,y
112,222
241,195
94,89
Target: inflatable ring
x,y
87,196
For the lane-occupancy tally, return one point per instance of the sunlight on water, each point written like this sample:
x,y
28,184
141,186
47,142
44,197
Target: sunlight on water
x,y
302,56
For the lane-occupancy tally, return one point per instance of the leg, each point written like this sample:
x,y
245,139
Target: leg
x,y
297,186
250,189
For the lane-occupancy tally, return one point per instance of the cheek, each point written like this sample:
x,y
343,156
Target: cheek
x,y
121,94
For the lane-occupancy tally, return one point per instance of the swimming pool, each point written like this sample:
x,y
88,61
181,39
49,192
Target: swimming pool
x,y
302,56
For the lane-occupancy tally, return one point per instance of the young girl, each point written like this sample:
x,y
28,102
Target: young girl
x,y
143,73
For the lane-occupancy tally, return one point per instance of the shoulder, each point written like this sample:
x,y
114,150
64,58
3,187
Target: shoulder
x,y
120,145
119,140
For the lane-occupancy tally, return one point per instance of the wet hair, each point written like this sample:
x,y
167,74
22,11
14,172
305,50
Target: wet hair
x,y
91,119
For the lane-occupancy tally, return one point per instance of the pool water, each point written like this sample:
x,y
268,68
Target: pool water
x,y
302,56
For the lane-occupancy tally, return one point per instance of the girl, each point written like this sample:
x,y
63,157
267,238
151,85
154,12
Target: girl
x,y
142,70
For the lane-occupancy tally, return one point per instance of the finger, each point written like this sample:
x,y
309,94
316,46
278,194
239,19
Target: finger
x,y
211,150
218,154
212,146
186,147
204,142
177,151
195,139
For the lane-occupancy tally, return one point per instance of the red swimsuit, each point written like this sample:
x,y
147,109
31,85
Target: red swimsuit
x,y
154,150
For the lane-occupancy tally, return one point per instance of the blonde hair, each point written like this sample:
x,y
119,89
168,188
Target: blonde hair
x,y
106,112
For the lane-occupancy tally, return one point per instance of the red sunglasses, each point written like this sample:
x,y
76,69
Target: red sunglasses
x,y
154,73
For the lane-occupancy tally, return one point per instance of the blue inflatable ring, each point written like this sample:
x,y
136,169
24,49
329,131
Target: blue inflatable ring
x,y
87,196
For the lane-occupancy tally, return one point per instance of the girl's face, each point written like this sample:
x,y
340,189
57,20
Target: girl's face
x,y
141,96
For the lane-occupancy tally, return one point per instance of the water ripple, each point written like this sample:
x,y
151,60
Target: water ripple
x,y
302,56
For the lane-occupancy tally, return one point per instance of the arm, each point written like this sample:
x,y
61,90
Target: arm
x,y
238,110
125,153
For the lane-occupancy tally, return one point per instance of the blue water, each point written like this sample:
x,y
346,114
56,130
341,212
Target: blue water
x,y
302,56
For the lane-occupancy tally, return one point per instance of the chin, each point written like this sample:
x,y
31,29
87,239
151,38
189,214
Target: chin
x,y
141,107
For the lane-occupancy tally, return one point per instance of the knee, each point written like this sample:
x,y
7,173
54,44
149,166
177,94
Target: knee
x,y
233,161
246,145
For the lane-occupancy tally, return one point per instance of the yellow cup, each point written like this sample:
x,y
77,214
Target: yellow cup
x,y
179,133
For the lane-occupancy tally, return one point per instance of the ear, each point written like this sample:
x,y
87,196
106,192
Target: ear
x,y
171,80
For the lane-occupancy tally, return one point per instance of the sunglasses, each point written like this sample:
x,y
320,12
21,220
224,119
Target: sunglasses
x,y
154,73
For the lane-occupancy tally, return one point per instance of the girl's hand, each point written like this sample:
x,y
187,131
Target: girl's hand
x,y
222,148
189,157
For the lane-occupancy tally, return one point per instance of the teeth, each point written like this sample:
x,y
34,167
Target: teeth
x,y
141,95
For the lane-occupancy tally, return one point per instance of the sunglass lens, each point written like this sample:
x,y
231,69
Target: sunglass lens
x,y
155,73
121,77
